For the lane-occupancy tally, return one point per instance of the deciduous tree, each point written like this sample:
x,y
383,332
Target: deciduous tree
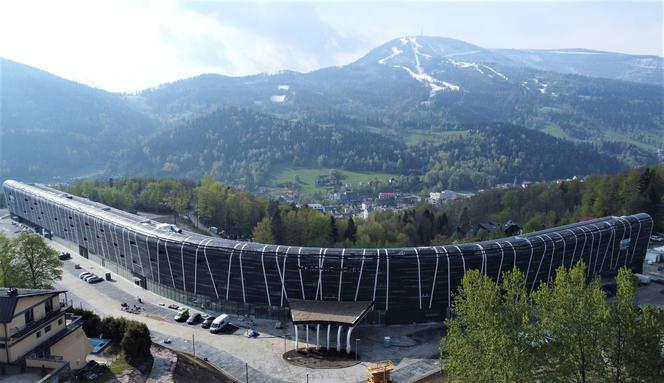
x,y
572,316
39,261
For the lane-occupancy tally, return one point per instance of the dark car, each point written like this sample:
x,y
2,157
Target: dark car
x,y
64,256
194,318
207,321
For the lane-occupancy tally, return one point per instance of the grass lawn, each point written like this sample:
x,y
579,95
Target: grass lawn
x,y
556,131
416,136
307,177
412,136
615,136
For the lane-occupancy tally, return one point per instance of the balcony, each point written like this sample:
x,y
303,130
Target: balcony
x,y
38,323
72,321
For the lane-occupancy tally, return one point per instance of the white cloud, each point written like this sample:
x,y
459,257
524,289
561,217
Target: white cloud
x,y
130,45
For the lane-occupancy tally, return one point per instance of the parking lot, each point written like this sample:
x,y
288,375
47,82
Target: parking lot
x,y
414,350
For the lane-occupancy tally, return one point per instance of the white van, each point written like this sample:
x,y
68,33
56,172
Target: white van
x,y
219,323
643,279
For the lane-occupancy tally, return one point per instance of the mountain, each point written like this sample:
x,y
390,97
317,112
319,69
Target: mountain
x,y
637,68
52,128
438,110
433,81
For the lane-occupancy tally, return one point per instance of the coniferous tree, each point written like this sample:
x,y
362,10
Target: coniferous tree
x,y
334,230
351,231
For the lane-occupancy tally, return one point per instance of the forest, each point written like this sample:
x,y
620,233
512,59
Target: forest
x,y
244,147
244,215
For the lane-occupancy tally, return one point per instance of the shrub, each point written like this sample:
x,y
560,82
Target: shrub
x,y
136,342
113,328
90,322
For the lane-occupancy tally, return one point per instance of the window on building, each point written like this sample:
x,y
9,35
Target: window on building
x,y
2,345
29,316
49,306
60,321
47,329
39,334
132,242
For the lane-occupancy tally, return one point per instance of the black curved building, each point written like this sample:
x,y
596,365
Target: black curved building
x,y
405,284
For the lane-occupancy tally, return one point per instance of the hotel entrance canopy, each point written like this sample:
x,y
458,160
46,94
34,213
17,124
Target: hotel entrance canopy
x,y
331,313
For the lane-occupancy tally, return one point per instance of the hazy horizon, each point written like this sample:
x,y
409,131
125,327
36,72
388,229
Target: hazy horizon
x,y
127,47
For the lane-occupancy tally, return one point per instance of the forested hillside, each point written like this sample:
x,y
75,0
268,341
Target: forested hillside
x,y
52,128
498,153
243,146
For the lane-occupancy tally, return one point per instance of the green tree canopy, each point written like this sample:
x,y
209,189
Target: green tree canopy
x,y
37,260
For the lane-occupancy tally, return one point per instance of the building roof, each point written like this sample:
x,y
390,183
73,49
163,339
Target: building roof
x,y
8,302
328,312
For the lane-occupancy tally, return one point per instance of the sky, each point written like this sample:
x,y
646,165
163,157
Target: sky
x,y
127,46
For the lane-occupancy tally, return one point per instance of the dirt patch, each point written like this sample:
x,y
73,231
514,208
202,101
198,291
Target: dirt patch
x,y
436,377
426,334
320,358
189,369
136,374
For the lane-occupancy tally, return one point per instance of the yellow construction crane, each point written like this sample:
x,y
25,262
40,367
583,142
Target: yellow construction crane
x,y
379,372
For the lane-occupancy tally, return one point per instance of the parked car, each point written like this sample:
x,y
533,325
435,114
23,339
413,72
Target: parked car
x,y
88,277
643,279
207,321
219,323
194,318
64,256
84,274
182,315
95,279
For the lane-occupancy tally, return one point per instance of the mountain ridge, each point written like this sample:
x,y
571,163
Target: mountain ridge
x,y
399,90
